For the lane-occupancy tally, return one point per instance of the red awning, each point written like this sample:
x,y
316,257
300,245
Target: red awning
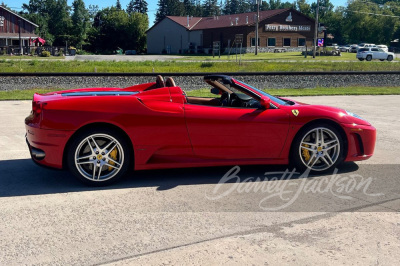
x,y
42,41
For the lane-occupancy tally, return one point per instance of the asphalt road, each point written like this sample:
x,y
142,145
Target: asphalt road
x,y
187,216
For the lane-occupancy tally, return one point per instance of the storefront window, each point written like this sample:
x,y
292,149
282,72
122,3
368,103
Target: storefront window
x,y
302,42
253,42
286,41
271,42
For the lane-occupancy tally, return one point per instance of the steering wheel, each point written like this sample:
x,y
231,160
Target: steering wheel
x,y
160,82
225,96
235,100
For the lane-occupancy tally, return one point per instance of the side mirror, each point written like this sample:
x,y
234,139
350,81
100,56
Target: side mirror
x,y
215,91
265,102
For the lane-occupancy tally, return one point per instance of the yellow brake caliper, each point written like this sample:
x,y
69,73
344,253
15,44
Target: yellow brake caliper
x,y
305,152
113,155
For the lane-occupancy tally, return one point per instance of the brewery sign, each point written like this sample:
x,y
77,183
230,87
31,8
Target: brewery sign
x,y
278,27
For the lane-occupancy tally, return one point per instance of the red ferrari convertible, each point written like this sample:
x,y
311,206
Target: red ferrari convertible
x,y
100,133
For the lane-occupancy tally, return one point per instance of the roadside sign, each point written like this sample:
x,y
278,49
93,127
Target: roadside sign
x,y
238,38
217,48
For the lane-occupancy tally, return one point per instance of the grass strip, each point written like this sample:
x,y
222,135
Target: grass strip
x,y
57,66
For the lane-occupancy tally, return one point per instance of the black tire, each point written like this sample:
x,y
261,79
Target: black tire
x,y
382,59
361,59
368,58
390,58
318,157
105,162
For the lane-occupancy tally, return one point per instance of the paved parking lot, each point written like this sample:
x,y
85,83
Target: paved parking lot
x,y
170,217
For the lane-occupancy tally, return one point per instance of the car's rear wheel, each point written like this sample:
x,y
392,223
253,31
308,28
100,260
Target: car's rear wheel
x,y
318,148
382,59
390,58
98,157
368,58
361,59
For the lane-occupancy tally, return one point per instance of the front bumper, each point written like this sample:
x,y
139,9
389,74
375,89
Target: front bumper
x,y
47,146
360,141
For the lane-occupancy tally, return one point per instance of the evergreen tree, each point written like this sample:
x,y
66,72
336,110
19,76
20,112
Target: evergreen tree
x,y
80,22
169,8
118,5
211,8
234,6
139,6
189,7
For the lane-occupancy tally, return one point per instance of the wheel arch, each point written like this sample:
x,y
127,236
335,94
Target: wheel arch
x,y
99,125
317,122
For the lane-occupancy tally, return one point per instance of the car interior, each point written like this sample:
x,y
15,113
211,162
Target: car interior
x,y
226,95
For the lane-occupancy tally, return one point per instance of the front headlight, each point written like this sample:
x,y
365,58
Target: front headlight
x,y
354,115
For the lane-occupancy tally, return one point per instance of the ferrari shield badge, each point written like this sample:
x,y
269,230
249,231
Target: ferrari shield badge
x,y
295,112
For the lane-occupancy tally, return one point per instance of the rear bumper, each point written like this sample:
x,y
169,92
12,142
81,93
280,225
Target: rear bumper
x,y
361,142
47,146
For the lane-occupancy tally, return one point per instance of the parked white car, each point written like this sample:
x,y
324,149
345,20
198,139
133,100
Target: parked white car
x,y
383,47
370,53
365,45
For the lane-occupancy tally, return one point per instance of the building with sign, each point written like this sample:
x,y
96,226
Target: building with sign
x,y
278,29
13,28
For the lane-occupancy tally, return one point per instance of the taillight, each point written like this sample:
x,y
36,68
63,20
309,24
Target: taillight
x,y
37,107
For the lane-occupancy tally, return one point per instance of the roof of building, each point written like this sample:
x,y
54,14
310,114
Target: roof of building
x,y
2,7
225,21
187,22
243,19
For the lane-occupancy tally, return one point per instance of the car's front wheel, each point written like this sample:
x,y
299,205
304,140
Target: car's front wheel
x,y
98,157
390,58
318,148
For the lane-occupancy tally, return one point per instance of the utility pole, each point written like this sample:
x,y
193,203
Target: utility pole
x,y
19,32
316,30
257,18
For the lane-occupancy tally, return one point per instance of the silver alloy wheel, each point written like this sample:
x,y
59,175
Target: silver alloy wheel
x,y
319,149
99,157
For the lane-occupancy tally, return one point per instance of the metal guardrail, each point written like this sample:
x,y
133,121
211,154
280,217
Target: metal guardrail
x,y
92,74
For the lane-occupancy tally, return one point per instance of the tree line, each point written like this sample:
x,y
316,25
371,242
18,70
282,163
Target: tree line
x,y
90,28
104,30
375,21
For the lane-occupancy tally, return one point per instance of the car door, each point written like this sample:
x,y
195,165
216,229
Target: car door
x,y
381,54
375,53
218,132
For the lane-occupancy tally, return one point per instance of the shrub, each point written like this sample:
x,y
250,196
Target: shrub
x,y
61,52
207,64
33,51
45,54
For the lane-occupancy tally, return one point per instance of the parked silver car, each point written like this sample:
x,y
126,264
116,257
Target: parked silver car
x,y
345,48
353,48
369,53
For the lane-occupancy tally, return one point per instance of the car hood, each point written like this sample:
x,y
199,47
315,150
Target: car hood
x,y
307,112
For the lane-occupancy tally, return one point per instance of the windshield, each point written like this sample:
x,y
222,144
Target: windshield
x,y
273,98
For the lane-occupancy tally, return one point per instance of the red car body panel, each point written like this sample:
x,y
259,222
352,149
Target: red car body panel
x,y
167,132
